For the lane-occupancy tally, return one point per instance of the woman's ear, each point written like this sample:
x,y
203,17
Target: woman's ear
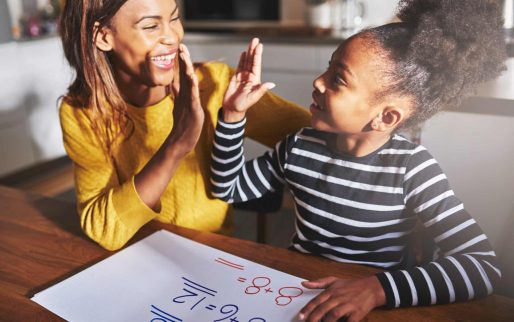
x,y
102,37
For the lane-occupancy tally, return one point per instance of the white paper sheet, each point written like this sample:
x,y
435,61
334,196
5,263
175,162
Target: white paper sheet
x,y
168,278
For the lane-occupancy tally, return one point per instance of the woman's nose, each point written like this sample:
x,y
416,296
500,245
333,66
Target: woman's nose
x,y
169,36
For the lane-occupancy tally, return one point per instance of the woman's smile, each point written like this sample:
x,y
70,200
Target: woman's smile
x,y
165,61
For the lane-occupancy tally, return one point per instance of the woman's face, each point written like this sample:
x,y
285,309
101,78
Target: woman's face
x,y
145,35
344,95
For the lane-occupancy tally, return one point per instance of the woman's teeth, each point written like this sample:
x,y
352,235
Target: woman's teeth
x,y
164,59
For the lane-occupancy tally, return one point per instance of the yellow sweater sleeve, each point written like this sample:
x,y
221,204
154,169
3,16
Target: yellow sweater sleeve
x,y
111,211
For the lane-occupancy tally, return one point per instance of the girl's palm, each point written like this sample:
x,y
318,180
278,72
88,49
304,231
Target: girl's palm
x,y
245,88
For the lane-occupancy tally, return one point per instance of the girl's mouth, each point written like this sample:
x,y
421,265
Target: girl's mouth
x,y
315,107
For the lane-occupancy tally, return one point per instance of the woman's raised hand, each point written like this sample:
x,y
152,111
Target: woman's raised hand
x,y
245,88
188,114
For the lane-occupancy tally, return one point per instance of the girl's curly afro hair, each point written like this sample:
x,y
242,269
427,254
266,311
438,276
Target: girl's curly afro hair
x,y
441,49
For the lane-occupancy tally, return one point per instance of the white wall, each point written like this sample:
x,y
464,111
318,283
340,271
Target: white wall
x,y
34,75
477,153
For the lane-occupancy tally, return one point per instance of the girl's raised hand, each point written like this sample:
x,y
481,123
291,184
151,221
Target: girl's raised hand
x,y
245,88
188,114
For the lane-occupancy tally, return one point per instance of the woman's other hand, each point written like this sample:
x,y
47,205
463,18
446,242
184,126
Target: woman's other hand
x,y
352,299
245,88
188,114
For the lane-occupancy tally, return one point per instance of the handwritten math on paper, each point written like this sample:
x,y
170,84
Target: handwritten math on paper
x,y
168,278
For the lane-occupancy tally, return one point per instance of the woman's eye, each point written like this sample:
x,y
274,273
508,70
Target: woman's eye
x,y
151,27
177,18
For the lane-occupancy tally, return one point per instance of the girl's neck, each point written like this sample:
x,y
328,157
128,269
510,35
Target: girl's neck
x,y
360,146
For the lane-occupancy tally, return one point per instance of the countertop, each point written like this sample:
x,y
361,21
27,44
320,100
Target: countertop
x,y
282,35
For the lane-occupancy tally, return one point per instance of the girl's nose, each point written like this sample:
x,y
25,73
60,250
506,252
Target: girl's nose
x,y
319,84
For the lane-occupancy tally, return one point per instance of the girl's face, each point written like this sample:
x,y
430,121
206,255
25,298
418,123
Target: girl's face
x,y
344,95
145,35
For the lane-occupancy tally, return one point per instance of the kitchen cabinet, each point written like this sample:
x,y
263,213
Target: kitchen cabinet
x,y
292,65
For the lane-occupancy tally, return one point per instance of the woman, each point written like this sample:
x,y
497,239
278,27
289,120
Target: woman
x,y
138,131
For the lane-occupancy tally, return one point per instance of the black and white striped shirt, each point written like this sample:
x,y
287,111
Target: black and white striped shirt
x,y
363,209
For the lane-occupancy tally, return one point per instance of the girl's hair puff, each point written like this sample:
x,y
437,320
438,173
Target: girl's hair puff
x,y
441,50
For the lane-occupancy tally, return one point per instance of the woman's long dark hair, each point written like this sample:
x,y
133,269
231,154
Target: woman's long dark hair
x,y
94,86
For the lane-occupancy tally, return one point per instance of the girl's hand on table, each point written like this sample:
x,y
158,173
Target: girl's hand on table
x,y
245,88
188,114
352,299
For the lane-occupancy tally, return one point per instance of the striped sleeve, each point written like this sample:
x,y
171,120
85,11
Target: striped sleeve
x,y
467,266
235,180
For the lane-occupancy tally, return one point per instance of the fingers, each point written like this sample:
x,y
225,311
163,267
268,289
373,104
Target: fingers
x,y
330,311
250,53
250,61
319,283
186,58
257,62
189,71
240,66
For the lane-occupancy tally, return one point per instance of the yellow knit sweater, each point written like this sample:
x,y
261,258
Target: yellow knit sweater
x,y
110,209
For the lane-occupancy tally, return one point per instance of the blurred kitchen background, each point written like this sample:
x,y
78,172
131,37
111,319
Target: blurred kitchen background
x,y
474,142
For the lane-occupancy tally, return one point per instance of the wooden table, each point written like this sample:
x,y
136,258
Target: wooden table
x,y
41,243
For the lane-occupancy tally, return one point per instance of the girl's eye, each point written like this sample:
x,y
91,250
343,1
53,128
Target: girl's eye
x,y
339,80
177,18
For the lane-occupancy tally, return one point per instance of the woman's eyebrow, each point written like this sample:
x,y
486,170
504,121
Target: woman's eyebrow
x,y
148,17
156,16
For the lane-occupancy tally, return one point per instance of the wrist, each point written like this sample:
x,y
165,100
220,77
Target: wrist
x,y
378,291
173,150
230,116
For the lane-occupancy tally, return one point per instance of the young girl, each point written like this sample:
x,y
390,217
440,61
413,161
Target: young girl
x,y
359,188
141,147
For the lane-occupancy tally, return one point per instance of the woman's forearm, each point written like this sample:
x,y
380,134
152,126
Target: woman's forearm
x,y
153,179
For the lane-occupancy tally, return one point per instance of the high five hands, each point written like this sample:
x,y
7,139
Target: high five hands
x,y
245,88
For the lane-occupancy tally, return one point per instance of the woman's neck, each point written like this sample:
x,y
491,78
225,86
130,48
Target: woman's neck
x,y
360,146
142,97
138,94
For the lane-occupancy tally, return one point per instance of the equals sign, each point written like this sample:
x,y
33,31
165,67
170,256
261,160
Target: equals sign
x,y
241,279
210,307
229,264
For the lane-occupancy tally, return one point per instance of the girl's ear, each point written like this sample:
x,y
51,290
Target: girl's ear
x,y
388,119
395,111
102,37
